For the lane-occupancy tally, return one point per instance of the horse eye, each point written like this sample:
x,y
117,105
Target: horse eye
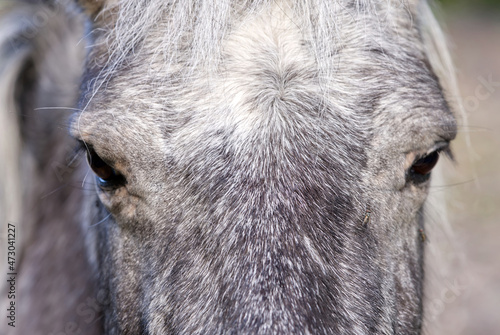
x,y
106,175
424,165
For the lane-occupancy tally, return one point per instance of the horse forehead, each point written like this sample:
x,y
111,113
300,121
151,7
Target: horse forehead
x,y
264,60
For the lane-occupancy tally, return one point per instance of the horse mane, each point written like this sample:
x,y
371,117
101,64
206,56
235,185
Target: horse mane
x,y
194,31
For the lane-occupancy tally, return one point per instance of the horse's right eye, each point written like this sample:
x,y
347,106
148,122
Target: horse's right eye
x,y
424,165
421,168
107,177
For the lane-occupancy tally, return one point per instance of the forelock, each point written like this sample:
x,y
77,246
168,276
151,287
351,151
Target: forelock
x,y
190,34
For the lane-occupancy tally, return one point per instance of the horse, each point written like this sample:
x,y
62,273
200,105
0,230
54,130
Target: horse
x,y
219,167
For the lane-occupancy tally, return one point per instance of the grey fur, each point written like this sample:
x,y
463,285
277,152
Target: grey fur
x,y
254,138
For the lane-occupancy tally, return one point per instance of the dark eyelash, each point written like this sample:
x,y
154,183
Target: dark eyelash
x,y
448,153
422,166
444,148
78,149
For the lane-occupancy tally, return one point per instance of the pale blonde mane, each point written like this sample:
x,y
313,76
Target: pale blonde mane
x,y
193,34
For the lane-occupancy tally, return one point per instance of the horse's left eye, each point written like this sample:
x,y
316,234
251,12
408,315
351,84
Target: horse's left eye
x,y
107,177
424,165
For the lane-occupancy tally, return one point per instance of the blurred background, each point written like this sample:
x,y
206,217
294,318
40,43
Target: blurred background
x,y
471,303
